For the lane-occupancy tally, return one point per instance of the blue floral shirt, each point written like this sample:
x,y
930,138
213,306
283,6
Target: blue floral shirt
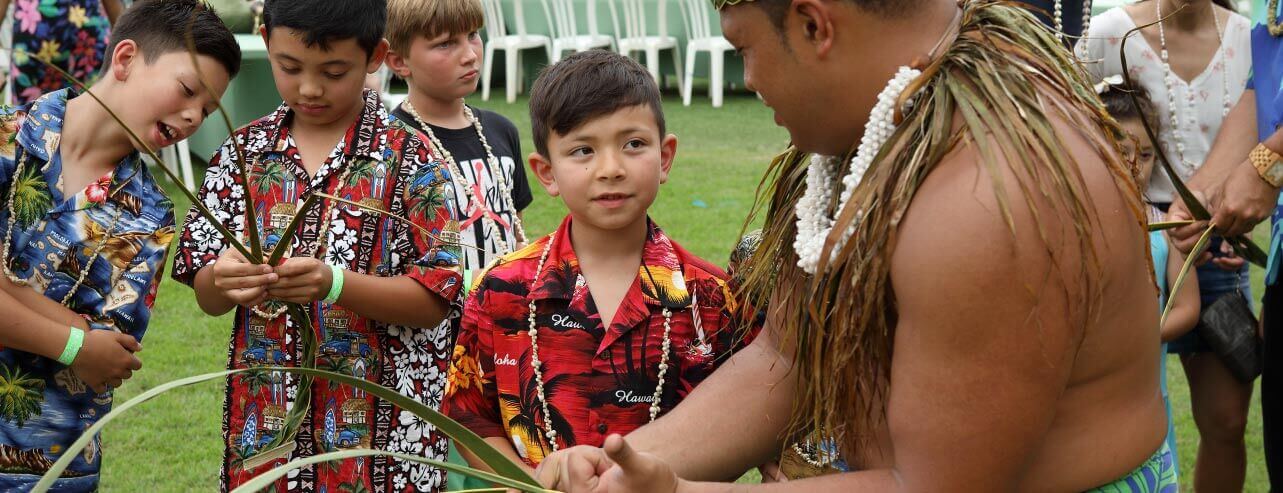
x,y
1267,81
44,407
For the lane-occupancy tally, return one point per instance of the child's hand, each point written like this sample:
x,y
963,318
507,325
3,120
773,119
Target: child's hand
x,y
240,281
106,359
302,280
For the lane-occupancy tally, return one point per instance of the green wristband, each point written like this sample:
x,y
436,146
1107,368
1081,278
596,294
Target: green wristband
x,y
336,284
74,340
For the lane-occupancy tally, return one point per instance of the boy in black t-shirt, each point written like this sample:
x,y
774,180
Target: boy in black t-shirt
x,y
436,48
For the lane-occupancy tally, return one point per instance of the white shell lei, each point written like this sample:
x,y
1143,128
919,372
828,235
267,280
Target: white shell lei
x,y
813,221
1168,76
537,365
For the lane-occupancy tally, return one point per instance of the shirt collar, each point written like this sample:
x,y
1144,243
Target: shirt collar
x,y
361,139
41,129
661,273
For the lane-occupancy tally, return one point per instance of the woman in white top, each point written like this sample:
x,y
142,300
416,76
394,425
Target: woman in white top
x,y
1207,63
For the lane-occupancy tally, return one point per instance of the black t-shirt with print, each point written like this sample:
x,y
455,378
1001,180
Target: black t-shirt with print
x,y
470,161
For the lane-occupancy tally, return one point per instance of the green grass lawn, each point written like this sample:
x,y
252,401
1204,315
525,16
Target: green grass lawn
x,y
174,442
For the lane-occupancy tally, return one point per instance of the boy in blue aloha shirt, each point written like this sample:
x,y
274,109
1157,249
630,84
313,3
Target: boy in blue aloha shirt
x,y
84,232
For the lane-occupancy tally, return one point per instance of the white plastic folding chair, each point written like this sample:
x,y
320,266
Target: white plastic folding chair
x,y
566,37
700,38
634,36
511,44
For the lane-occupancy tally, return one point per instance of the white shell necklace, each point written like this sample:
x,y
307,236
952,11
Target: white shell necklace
x,y
1168,81
322,239
461,181
813,221
1059,16
814,224
13,218
537,365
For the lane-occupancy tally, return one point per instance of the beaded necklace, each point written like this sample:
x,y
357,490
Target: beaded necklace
x,y
461,181
8,239
1169,75
321,240
1059,16
537,365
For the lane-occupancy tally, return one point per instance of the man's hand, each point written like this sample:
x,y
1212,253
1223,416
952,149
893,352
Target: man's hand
x,y
240,281
1246,200
302,280
106,359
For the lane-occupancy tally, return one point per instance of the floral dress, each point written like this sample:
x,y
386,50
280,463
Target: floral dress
x,y
70,33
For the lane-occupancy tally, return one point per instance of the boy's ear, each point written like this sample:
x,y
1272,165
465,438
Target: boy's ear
x,y
262,31
542,168
123,58
376,58
667,152
399,66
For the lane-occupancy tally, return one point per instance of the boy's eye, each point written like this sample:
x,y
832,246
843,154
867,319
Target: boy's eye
x,y
335,76
581,151
473,36
445,44
187,90
290,70
635,144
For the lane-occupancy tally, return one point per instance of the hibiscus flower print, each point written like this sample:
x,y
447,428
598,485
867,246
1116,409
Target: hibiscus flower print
x,y
76,16
96,192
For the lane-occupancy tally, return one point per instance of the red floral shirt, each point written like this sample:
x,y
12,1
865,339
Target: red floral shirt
x,y
598,380
388,167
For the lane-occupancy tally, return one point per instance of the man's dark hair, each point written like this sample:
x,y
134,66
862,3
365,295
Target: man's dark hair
x,y
777,10
322,22
162,26
585,86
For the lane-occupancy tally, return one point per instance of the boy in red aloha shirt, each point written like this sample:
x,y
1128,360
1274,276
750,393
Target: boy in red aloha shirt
x,y
377,288
621,313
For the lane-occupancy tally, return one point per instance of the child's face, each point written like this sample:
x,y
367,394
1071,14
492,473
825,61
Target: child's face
x,y
323,87
163,101
1139,150
608,169
445,67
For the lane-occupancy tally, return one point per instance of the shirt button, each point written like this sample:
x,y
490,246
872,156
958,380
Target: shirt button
x,y
601,428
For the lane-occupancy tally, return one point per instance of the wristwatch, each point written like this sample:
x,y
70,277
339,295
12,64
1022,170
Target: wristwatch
x,y
1269,165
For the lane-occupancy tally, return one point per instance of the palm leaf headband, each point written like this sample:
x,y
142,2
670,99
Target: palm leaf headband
x,y
721,4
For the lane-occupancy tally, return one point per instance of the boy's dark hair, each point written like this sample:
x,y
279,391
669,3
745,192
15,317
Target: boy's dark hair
x,y
162,26
585,86
324,21
1120,105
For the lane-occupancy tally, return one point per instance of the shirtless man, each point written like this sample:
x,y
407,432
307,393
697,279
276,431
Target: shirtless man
x,y
1017,298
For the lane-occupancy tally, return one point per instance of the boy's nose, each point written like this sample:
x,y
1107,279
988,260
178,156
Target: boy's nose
x,y
310,89
610,167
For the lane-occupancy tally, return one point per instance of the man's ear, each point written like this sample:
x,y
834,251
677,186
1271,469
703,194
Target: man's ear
x,y
815,18
123,58
667,153
376,58
542,168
